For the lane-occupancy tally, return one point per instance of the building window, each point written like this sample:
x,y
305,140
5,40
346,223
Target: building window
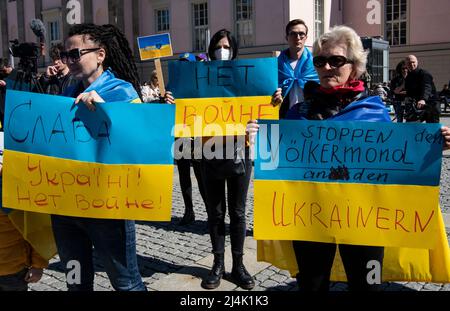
x,y
162,18
54,31
244,22
396,21
318,18
200,26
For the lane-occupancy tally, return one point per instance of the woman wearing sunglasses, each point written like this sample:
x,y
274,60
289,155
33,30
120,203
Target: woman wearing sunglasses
x,y
101,58
339,59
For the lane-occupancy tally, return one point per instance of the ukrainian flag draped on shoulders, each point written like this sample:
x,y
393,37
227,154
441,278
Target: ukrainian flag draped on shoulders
x,y
36,228
399,264
109,88
304,71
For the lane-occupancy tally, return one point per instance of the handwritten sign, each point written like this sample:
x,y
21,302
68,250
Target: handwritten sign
x,y
155,46
218,98
63,159
348,182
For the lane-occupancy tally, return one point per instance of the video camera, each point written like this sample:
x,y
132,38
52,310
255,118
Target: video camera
x,y
26,49
25,77
28,53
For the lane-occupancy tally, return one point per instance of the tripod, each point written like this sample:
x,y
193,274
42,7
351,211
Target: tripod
x,y
25,78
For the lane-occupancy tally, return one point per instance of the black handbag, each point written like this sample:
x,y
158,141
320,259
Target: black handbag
x,y
227,168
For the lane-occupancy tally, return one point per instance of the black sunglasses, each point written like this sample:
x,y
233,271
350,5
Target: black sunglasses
x,y
334,61
294,34
75,54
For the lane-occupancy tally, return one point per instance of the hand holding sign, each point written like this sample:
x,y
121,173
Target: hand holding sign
x,y
89,99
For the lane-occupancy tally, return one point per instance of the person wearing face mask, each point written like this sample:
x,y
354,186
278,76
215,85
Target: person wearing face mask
x,y
100,57
236,177
295,68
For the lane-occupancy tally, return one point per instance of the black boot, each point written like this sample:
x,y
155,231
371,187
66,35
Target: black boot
x,y
240,275
218,270
188,218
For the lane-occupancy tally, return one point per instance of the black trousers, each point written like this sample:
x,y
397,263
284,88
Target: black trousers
x,y
399,109
184,172
216,205
315,261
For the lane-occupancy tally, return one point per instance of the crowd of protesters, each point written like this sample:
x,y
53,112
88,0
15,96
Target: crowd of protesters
x,y
96,65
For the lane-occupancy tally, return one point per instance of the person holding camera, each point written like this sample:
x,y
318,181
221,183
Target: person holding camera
x,y
57,77
5,71
420,87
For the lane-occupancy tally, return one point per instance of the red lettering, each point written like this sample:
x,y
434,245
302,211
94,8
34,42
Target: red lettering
x,y
261,115
129,204
33,168
112,182
297,212
360,216
108,206
53,197
398,221
315,215
338,220
187,115
83,180
417,220
147,204
19,198
282,213
80,200
216,111
273,210
40,199
98,203
230,114
383,218
51,181
64,181
249,115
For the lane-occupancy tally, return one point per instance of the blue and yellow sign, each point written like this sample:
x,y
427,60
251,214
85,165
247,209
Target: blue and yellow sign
x,y
63,159
218,98
359,183
155,46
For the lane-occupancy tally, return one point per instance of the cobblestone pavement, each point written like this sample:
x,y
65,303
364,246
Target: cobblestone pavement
x,y
166,248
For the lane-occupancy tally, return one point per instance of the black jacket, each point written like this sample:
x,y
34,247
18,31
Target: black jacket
x,y
57,85
420,86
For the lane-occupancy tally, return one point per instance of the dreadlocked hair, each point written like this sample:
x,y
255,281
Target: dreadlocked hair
x,y
119,57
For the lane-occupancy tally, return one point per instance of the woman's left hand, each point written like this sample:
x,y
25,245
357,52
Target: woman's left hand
x,y
446,134
89,99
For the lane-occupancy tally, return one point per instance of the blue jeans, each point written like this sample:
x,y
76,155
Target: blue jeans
x,y
114,242
14,282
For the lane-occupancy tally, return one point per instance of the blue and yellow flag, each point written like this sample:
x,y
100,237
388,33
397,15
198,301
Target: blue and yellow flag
x,y
155,46
114,163
358,183
218,98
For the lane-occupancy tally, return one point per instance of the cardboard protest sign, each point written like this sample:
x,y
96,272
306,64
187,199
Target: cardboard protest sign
x,y
357,183
218,98
63,159
155,46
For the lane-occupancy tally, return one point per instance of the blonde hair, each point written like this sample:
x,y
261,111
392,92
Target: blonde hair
x,y
355,50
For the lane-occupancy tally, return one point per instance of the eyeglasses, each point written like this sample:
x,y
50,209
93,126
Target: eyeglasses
x,y
334,61
75,54
296,34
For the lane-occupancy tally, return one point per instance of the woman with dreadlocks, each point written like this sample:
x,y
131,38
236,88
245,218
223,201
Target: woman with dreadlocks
x,y
100,57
